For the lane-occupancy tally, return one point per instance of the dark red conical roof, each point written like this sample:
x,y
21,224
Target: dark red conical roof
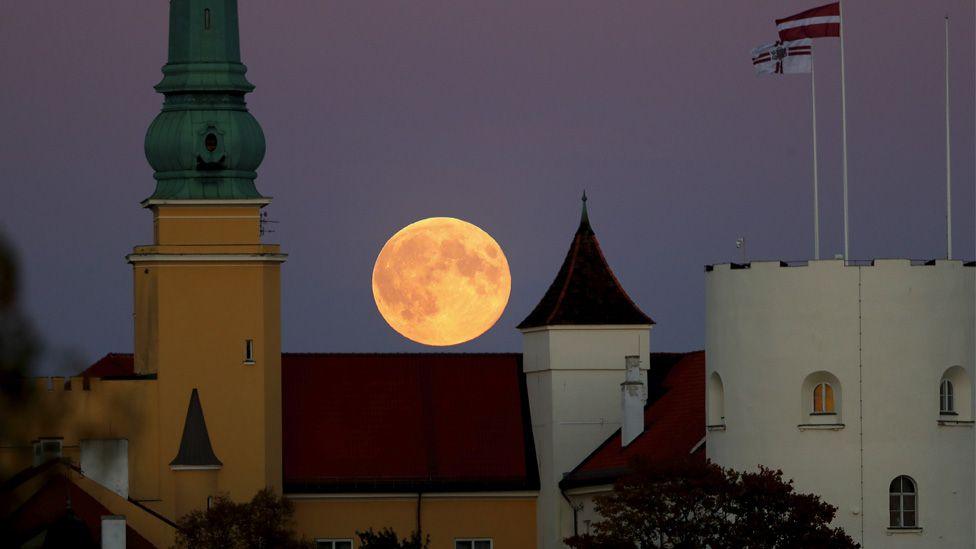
x,y
585,290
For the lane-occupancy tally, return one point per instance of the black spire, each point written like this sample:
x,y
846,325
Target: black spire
x,y
195,447
584,226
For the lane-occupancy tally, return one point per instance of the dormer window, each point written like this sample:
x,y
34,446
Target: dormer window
x,y
46,449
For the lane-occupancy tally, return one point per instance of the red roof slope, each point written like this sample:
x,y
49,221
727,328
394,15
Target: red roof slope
x,y
406,422
585,291
50,503
674,424
111,365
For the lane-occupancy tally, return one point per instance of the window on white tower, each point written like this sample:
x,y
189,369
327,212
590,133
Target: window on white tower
x,y
947,403
903,503
823,399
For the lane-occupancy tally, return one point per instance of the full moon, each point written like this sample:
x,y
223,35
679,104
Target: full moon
x,y
441,281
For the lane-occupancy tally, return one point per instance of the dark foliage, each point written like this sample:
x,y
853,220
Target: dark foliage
x,y
18,343
387,539
264,522
690,505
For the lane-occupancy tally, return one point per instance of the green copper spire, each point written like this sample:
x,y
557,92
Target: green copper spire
x,y
204,144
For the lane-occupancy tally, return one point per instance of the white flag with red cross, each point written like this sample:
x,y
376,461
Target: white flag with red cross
x,y
793,57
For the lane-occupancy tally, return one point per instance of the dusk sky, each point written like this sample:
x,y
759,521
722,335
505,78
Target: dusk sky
x,y
378,114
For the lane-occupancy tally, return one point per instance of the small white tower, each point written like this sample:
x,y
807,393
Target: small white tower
x,y
574,346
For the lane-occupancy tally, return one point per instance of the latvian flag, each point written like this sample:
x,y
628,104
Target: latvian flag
x,y
816,23
783,57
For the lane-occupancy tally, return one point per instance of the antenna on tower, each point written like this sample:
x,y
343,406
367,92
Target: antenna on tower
x,y
740,244
266,224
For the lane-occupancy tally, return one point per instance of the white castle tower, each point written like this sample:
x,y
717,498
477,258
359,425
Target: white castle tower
x,y
575,343
856,381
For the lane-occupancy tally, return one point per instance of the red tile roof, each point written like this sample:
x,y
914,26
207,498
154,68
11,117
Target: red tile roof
x,y
585,290
111,365
459,422
406,422
674,424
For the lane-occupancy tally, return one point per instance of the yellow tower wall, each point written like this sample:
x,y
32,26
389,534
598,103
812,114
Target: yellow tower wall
x,y
205,287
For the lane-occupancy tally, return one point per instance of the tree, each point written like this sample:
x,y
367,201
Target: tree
x,y
684,505
264,522
387,539
18,343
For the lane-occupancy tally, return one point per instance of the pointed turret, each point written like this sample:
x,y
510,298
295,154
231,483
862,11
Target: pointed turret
x,y
196,452
204,144
585,291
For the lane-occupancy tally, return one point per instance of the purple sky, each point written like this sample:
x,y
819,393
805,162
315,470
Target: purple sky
x,y
378,114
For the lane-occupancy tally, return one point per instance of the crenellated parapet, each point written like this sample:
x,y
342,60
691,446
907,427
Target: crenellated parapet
x,y
838,263
75,409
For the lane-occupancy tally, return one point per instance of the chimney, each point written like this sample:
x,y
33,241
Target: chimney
x,y
631,402
113,532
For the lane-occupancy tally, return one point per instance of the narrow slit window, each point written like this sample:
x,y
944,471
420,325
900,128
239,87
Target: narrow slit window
x,y
249,351
206,19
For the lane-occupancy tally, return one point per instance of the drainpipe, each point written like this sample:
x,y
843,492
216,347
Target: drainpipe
x,y
420,532
575,508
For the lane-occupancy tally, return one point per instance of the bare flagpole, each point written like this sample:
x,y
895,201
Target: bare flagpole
x,y
816,186
948,149
843,100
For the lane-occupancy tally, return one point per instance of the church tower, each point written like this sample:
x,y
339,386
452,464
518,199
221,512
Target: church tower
x,y
575,347
207,291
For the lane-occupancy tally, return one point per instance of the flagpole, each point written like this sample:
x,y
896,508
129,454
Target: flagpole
x,y
948,149
816,190
843,100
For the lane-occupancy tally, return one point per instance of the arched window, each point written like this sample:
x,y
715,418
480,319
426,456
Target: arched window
x,y
823,399
716,400
955,396
903,503
947,404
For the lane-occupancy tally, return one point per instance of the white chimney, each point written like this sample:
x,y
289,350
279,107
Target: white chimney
x,y
113,532
106,461
631,402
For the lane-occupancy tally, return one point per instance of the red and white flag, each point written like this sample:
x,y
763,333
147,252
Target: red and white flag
x,y
815,23
779,57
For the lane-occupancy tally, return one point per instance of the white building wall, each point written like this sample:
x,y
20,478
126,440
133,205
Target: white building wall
x,y
887,332
573,374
